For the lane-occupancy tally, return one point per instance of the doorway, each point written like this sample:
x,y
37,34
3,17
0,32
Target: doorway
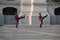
x,y
8,13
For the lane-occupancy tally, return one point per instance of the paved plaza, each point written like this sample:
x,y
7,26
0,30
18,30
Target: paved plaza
x,y
50,32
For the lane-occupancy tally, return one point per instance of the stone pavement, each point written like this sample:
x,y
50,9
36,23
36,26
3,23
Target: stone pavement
x,y
49,32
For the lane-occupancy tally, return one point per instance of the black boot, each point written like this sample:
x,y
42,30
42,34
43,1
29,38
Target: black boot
x,y
40,26
16,26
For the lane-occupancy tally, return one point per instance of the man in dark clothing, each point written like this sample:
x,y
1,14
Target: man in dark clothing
x,y
41,19
18,18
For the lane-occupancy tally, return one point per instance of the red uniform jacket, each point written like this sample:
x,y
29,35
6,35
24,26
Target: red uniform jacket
x,y
16,17
40,18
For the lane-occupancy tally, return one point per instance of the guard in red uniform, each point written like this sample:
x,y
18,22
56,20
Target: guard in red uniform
x,y
18,18
41,18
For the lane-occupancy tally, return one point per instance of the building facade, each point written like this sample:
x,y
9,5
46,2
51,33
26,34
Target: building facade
x,y
31,7
54,11
7,9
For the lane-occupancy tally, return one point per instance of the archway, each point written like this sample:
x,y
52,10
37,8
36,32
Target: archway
x,y
57,11
8,13
57,14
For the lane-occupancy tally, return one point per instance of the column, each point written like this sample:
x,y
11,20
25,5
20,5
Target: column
x,y
21,9
30,17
